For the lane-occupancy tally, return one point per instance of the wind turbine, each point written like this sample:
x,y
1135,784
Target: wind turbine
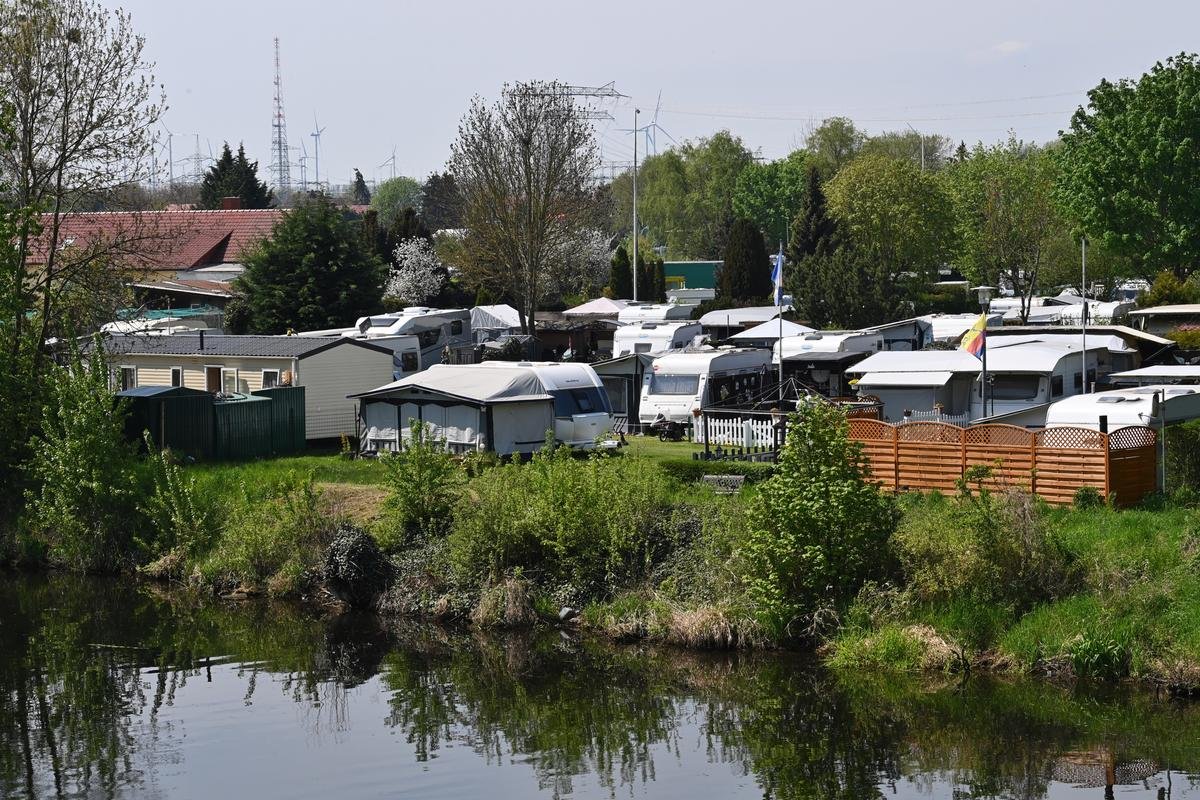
x,y
653,127
316,135
391,161
303,159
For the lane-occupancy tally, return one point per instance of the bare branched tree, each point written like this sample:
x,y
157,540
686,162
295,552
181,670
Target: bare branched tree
x,y
83,104
523,167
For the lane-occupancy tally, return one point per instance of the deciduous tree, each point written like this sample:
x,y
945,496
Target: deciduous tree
x,y
523,166
770,194
1130,167
416,274
833,144
894,213
393,196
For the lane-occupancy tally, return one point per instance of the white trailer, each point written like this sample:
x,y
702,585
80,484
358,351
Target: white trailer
x,y
582,413
679,384
653,337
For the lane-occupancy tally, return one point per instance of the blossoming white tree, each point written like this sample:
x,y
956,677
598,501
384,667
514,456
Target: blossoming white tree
x,y
416,273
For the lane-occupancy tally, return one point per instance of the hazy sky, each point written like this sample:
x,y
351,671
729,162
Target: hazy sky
x,y
380,74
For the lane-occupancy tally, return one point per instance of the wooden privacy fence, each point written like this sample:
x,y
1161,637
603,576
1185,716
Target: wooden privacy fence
x,y
1053,463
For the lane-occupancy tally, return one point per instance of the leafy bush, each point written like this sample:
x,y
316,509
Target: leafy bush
x,y
424,481
690,470
991,548
1088,497
356,570
1099,655
818,530
84,473
274,536
1183,456
1186,336
181,520
593,523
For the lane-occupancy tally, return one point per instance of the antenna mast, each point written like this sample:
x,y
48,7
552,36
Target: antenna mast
x,y
280,157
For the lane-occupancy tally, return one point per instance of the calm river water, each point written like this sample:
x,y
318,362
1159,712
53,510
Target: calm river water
x,y
111,690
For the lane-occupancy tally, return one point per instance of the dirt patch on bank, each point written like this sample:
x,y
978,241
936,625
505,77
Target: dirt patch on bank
x,y
362,504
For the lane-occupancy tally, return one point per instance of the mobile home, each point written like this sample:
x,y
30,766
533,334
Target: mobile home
x,y
680,384
819,359
328,367
653,337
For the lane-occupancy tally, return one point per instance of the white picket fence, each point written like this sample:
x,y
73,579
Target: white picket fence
x,y
961,420
737,431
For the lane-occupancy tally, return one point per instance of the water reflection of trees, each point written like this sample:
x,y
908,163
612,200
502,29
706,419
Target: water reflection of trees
x,y
86,667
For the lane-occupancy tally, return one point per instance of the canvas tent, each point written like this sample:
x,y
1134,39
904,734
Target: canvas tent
x,y
503,409
487,321
600,307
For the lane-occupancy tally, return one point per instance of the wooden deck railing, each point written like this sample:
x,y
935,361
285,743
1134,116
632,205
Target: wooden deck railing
x,y
1053,463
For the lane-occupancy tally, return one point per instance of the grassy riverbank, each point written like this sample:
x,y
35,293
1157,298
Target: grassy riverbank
x,y
808,554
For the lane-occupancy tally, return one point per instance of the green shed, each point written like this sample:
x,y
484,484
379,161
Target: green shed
x,y
287,418
242,428
178,418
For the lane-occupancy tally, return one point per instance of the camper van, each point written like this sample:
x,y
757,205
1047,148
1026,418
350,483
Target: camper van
x,y
417,332
653,337
581,410
678,384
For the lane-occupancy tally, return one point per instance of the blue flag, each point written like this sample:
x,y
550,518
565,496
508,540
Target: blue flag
x,y
777,277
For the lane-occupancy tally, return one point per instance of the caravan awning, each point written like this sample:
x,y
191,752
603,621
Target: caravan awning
x,y
901,379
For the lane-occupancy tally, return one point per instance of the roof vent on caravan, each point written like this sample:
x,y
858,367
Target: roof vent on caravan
x,y
1117,399
812,337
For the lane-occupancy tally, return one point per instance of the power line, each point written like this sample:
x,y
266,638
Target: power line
x,y
809,117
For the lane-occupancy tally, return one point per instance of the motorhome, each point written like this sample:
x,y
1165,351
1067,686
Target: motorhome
x,y
653,312
680,384
582,413
503,407
434,330
653,337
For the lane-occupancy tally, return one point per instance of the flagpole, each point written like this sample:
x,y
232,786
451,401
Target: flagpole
x,y
779,309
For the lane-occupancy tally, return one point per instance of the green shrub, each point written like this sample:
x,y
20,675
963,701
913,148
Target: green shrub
x,y
690,470
990,548
423,481
272,537
1183,456
84,473
1088,497
891,648
181,520
1098,654
1186,336
594,523
818,530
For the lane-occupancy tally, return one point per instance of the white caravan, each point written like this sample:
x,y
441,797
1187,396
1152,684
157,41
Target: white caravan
x,y
678,384
582,413
432,329
1153,406
654,312
653,337
828,342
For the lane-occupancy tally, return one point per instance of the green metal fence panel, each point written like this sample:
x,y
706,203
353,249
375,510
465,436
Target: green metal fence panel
x,y
242,428
287,418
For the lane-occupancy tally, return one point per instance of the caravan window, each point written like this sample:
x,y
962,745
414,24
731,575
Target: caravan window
x,y
177,376
456,327
408,362
1015,387
641,347
674,384
568,402
1056,385
270,378
128,378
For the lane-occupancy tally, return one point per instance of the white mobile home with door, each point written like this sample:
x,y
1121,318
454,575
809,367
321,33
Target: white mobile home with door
x,y
328,367
506,408
679,384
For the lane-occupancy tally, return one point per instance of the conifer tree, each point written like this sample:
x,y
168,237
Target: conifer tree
x,y
359,193
315,271
234,176
746,272
813,230
621,282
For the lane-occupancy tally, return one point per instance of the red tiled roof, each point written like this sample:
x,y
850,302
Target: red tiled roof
x,y
165,240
